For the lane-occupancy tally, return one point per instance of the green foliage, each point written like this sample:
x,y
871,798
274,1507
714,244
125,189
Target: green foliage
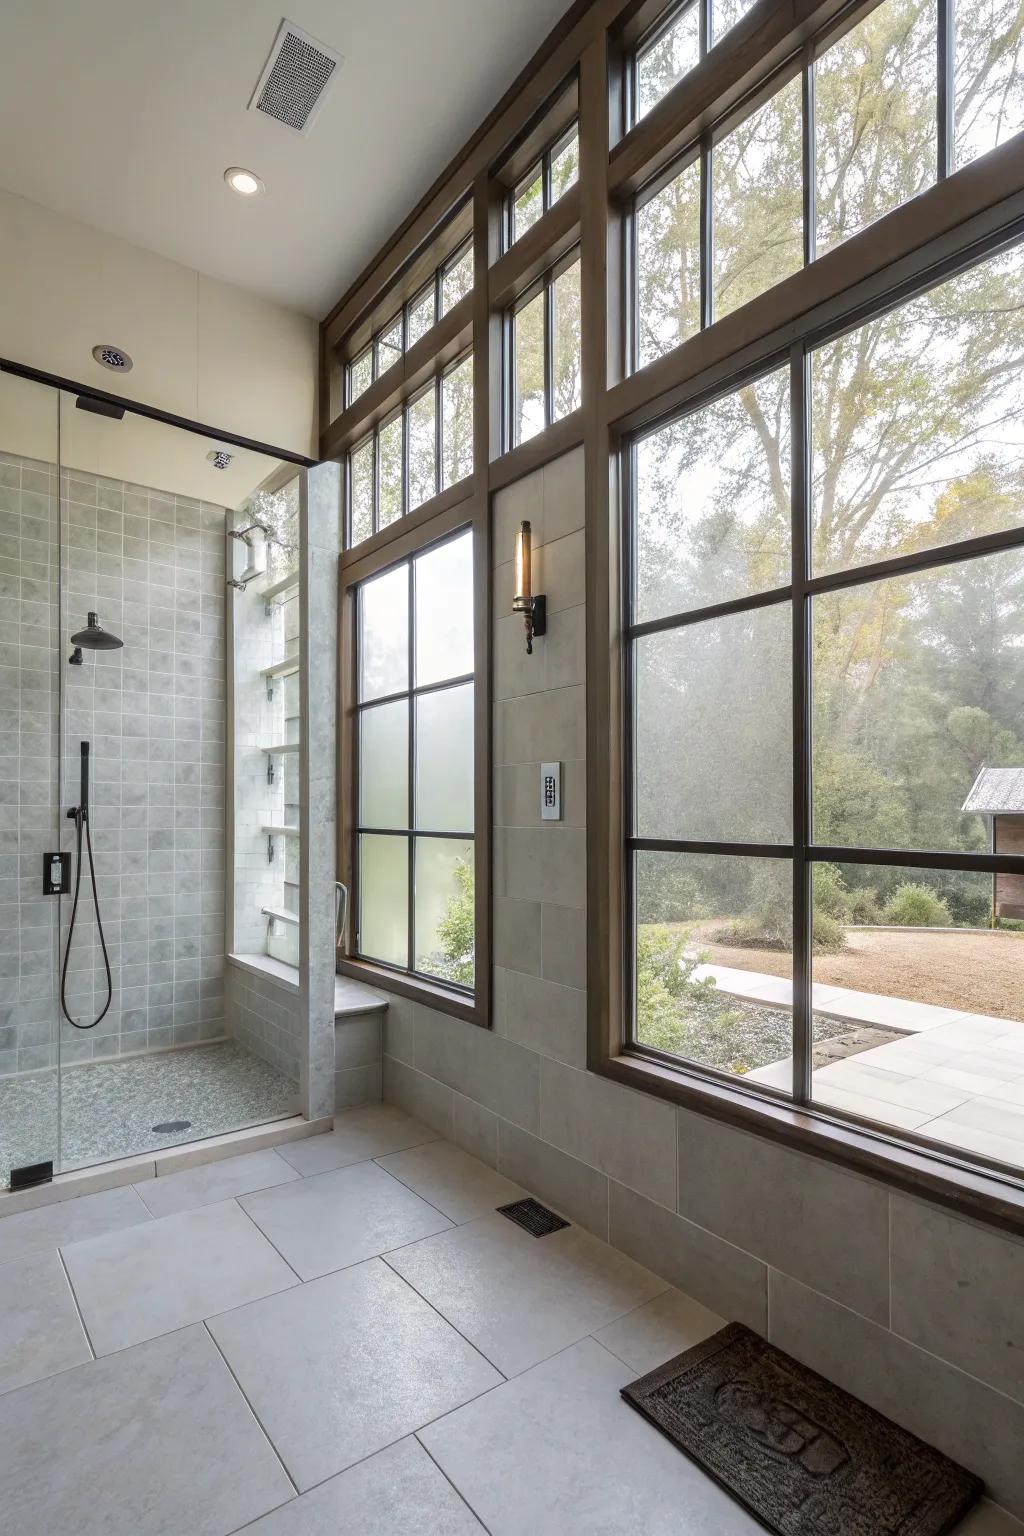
x,y
916,906
668,995
457,929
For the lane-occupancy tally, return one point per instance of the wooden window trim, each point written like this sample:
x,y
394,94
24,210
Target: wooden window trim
x,y
470,511
614,164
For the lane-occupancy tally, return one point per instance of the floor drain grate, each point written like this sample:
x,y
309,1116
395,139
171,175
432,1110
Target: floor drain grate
x,y
533,1217
166,1127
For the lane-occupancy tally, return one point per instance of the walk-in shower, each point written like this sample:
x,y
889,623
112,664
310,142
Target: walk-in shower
x,y
117,1034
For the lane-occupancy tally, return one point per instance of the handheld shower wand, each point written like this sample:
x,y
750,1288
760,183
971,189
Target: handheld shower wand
x,y
79,814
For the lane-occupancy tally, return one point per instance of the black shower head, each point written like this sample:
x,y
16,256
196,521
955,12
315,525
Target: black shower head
x,y
95,638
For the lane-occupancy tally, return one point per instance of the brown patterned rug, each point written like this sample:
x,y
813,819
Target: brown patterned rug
x,y
800,1453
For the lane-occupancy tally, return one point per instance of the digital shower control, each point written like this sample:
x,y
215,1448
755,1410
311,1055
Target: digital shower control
x,y
56,874
551,791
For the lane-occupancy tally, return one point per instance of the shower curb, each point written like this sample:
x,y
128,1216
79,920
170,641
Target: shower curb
x,y
152,1165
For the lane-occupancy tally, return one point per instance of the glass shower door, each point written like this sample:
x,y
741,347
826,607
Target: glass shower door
x,y
29,778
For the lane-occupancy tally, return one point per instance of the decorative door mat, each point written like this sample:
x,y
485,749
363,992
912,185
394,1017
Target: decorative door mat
x,y
802,1455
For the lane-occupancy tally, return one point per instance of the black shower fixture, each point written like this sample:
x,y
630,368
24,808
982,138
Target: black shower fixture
x,y
93,638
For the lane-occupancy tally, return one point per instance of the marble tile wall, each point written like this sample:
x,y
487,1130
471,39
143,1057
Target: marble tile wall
x,y
902,1302
152,566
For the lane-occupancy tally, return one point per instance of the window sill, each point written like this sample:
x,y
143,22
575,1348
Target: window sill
x,y
350,997
473,1010
970,1193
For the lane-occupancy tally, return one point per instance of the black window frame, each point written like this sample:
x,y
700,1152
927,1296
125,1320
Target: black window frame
x,y
541,164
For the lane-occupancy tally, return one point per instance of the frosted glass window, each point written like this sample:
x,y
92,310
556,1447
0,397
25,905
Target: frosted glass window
x,y
444,611
384,765
383,898
422,449
444,760
389,449
361,491
444,909
384,634
425,869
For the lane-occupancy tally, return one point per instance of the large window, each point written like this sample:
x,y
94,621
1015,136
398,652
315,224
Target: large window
x,y
425,447
449,283
414,710
544,353
675,45
825,684
548,179
757,198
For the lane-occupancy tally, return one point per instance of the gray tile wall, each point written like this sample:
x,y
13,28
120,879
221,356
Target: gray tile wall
x,y
152,565
917,1311
265,1017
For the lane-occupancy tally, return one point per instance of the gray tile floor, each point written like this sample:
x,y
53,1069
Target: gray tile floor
x,y
107,1109
339,1336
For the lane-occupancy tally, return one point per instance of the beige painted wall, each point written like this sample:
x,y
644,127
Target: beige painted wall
x,y
904,1304
202,348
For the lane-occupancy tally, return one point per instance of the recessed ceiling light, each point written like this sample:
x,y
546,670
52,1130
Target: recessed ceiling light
x,y
244,182
115,358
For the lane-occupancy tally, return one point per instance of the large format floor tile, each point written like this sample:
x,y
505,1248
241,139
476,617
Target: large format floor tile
x,y
221,1180
340,1218
398,1492
459,1185
339,1368
520,1298
155,1441
373,1130
558,1453
69,1221
149,1280
664,1327
40,1330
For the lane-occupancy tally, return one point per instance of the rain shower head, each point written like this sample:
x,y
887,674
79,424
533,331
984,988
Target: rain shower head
x,y
95,638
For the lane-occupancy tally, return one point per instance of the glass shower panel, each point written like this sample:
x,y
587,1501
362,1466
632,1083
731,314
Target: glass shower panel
x,y
157,1049
29,798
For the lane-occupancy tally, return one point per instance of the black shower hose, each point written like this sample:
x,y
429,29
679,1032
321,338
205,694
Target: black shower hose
x,y
82,820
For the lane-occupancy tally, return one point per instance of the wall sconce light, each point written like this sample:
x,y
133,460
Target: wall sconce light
x,y
534,609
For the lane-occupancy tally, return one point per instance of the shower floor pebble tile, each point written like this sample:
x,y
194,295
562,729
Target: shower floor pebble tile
x,y
351,1402
108,1109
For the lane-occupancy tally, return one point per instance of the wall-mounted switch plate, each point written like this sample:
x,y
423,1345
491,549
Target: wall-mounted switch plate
x,y
550,791
56,874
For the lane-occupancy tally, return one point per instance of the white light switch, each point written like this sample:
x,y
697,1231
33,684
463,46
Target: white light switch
x,y
551,791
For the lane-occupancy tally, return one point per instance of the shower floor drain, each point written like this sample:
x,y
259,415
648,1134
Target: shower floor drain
x,y
166,1127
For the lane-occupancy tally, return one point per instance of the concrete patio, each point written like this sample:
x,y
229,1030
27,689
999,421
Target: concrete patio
x,y
956,1076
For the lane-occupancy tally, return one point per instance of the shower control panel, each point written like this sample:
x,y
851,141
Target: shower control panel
x,y
56,874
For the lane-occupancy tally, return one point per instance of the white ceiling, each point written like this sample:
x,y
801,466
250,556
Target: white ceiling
x,y
125,114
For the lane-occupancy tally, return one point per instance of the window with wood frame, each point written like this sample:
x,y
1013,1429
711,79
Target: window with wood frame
x,y
414,743
540,187
885,102
825,657
544,351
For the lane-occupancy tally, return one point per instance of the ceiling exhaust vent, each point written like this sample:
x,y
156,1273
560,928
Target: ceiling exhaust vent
x,y
295,78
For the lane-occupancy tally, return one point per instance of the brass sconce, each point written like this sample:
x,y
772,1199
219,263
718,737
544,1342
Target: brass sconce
x,y
534,609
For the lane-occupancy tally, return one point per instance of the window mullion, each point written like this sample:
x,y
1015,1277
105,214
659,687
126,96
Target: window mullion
x,y
411,787
799,395
549,349
946,38
706,236
810,188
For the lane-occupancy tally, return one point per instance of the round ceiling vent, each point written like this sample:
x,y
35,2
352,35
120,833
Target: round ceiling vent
x,y
220,458
113,358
